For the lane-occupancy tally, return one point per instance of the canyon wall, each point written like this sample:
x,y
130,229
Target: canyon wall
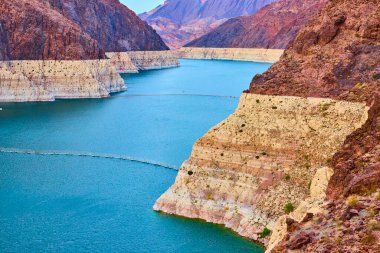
x,y
181,21
47,80
113,25
238,54
314,159
146,60
32,30
265,155
273,26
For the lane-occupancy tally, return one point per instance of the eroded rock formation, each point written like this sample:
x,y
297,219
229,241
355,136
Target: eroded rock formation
x,y
22,81
238,54
335,56
115,27
56,49
32,30
180,21
274,26
246,169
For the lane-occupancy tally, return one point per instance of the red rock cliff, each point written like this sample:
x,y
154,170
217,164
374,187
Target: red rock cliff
x,y
112,24
274,26
31,29
338,55
71,30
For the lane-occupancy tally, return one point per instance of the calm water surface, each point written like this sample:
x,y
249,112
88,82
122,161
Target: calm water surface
x,y
88,204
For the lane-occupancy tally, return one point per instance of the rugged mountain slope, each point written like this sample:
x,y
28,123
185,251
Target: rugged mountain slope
x,y
180,21
274,26
338,56
112,24
32,30
281,152
71,30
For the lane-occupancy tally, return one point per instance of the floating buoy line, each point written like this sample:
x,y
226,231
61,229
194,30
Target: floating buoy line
x,y
85,154
174,94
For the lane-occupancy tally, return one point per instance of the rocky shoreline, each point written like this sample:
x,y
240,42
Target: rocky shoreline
x,y
236,54
38,80
238,176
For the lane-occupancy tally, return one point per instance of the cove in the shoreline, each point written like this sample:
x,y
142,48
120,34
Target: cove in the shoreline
x,y
71,204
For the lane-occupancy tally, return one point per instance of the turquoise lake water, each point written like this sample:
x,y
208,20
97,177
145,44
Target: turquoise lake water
x,y
79,203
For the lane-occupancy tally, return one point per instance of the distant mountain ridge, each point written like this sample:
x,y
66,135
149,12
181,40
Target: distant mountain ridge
x,y
274,26
180,21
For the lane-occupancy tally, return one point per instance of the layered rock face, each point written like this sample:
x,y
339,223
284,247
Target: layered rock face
x,y
244,170
22,81
115,27
238,54
335,56
32,30
134,61
146,60
180,21
274,26
51,48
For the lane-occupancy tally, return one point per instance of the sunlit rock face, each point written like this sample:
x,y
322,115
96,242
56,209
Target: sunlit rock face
x,y
22,81
238,54
180,21
265,155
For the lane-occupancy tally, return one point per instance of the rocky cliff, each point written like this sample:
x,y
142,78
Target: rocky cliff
x,y
115,27
32,30
307,169
22,81
134,61
246,169
274,26
56,49
180,21
238,54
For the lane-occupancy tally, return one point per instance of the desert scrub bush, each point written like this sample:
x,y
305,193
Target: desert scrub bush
x,y
368,239
376,76
352,200
359,85
373,225
190,173
288,208
287,177
325,106
266,231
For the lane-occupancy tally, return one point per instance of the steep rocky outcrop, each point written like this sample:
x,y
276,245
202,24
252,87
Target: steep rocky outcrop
x,y
71,30
115,27
246,169
22,81
135,61
31,30
274,26
180,21
326,144
237,54
56,48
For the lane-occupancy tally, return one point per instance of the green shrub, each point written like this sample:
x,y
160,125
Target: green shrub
x,y
266,231
288,208
352,200
287,177
190,173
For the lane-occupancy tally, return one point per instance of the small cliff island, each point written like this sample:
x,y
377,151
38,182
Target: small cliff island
x,y
62,53
297,167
